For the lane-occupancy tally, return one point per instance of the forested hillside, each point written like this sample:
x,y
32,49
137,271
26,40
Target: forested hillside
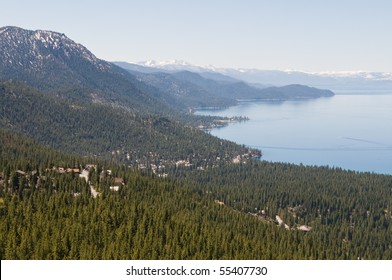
x,y
222,213
101,130
49,214
349,211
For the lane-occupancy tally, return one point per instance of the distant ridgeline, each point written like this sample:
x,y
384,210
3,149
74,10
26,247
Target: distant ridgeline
x,y
100,163
208,90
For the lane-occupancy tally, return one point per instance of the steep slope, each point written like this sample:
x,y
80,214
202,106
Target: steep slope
x,y
52,62
36,56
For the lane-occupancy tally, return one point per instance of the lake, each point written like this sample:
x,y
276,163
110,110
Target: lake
x,y
348,131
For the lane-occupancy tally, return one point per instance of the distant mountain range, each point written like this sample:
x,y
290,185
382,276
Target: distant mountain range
x,y
213,89
343,81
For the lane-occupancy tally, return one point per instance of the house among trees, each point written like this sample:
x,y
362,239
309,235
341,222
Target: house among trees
x,y
119,181
74,170
67,170
219,202
304,228
90,166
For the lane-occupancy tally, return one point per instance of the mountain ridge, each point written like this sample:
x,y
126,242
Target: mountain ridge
x,y
39,48
334,80
182,65
217,89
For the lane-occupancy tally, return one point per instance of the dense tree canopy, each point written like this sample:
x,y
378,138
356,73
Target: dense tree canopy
x,y
47,214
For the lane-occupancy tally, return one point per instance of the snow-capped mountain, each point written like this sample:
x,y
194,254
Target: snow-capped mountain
x,y
40,46
336,80
376,76
177,65
45,57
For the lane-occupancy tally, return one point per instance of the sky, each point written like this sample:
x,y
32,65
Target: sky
x,y
307,35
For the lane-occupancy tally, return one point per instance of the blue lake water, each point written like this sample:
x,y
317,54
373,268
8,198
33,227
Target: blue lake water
x,y
348,131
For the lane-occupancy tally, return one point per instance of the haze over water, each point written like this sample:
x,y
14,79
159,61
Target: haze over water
x,y
348,131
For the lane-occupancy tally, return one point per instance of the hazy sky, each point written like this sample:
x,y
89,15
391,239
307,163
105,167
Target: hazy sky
x,y
310,35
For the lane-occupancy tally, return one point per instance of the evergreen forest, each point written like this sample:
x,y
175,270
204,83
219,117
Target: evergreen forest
x,y
219,213
97,162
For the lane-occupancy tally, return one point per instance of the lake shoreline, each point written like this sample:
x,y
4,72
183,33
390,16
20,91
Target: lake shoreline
x,y
343,131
